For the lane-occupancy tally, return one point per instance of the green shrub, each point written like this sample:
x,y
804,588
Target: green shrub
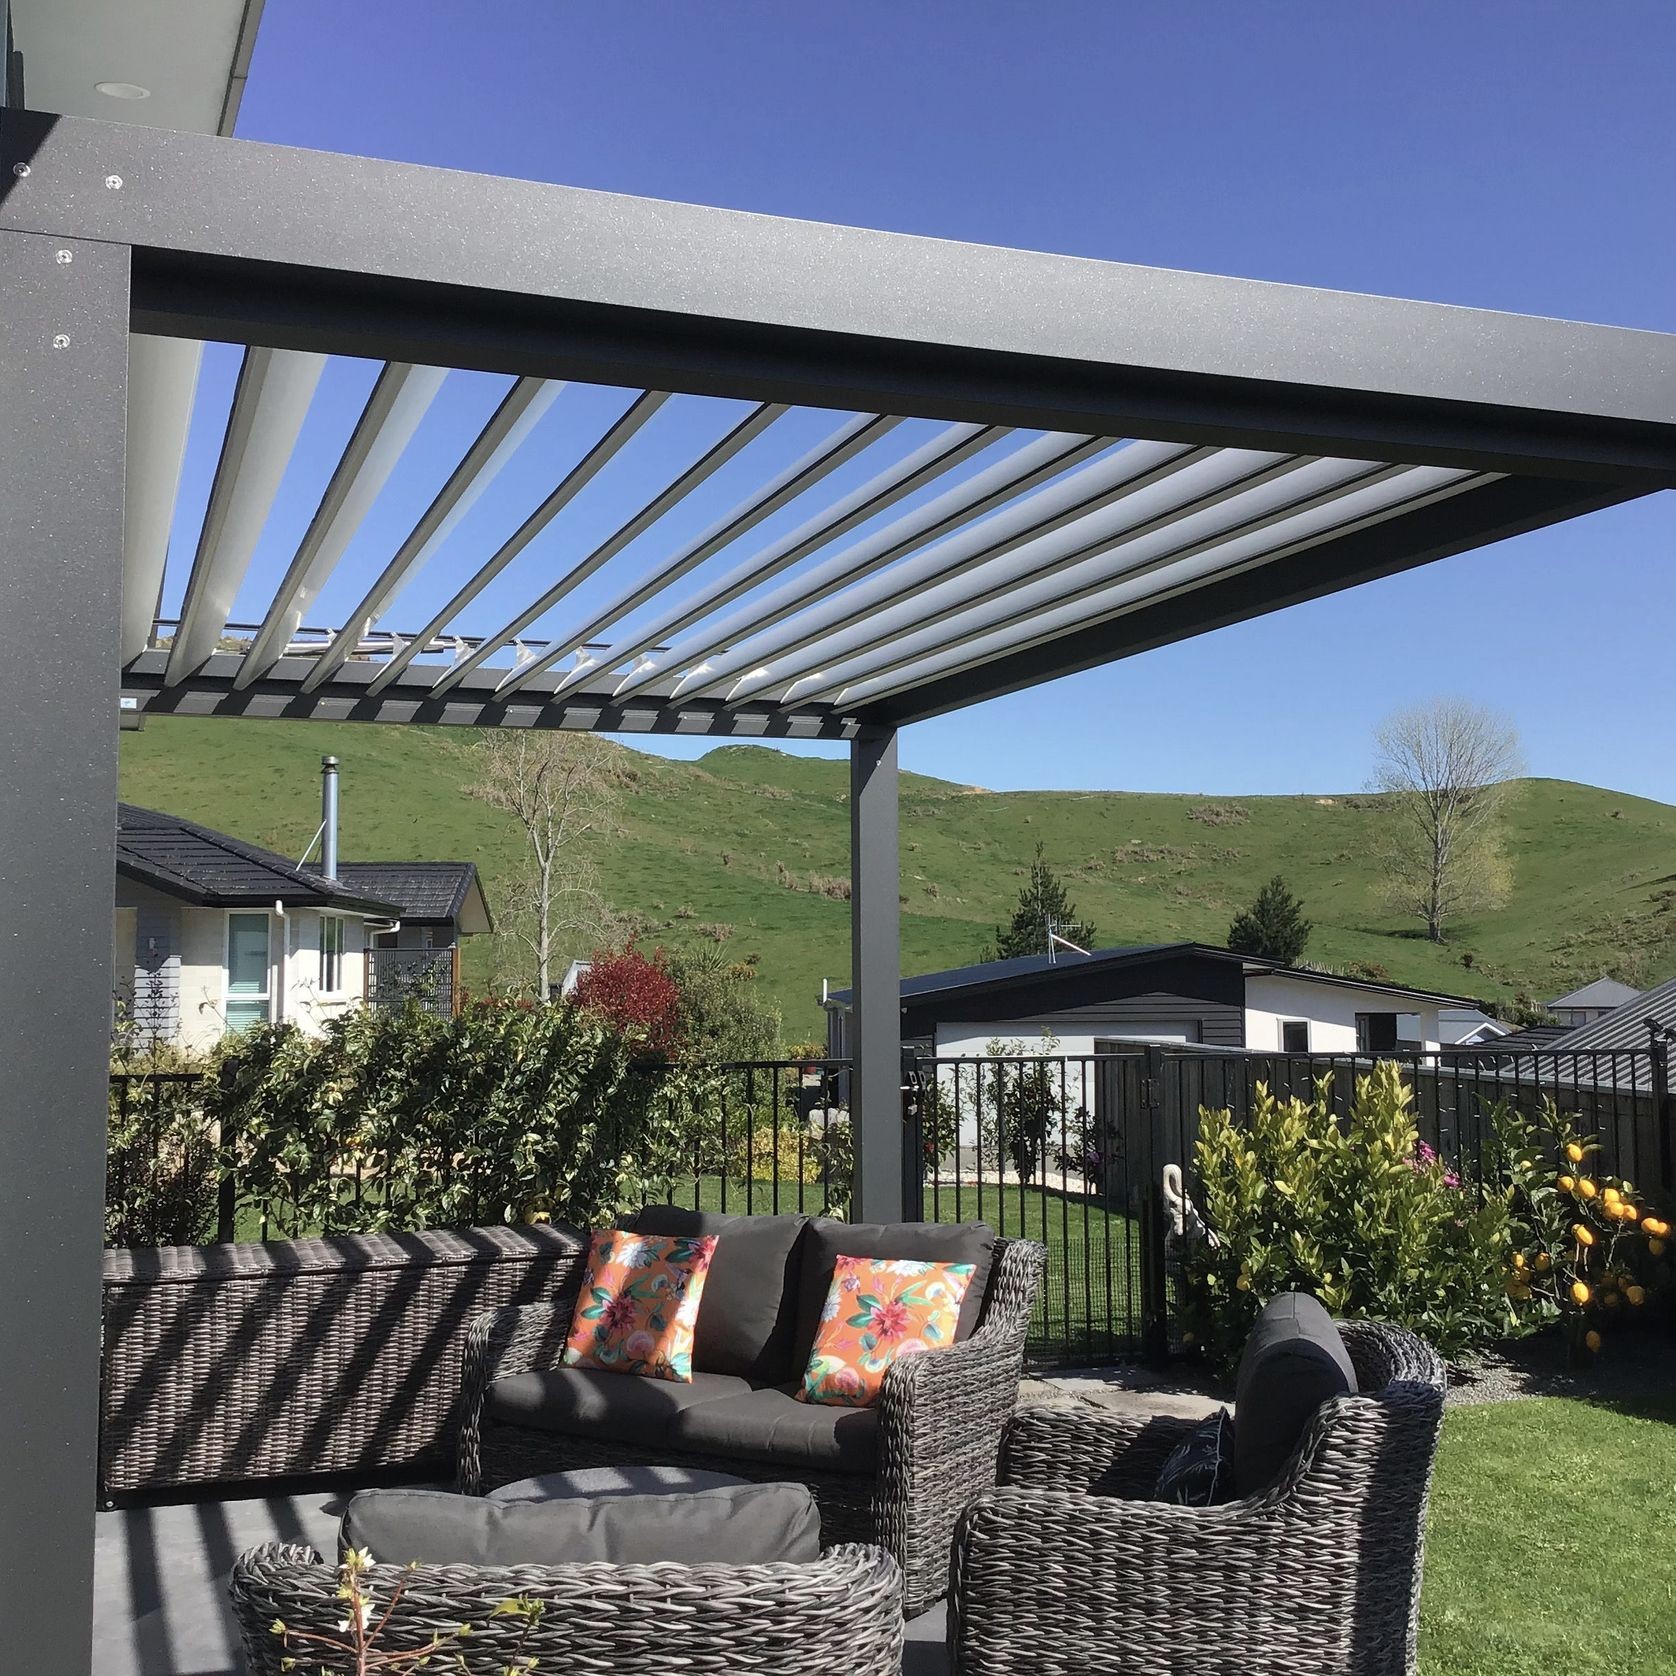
x,y
507,1113
1350,1211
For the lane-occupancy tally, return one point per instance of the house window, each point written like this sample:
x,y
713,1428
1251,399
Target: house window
x,y
331,955
1376,1032
1294,1035
249,995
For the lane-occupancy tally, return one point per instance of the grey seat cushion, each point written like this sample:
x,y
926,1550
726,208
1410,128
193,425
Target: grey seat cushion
x,y
594,1403
1293,1362
748,1313
825,1241
771,1425
716,1415
740,1524
614,1481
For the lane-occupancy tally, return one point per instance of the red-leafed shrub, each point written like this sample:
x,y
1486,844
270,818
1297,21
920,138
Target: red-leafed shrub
x,y
633,994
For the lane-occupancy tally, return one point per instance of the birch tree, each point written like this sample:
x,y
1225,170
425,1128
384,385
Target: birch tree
x,y
1446,769
560,789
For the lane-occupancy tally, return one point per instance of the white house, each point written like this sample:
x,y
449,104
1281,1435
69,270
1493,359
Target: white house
x,y
212,934
1186,993
1592,1001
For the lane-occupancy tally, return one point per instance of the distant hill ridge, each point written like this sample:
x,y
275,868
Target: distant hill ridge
x,y
749,846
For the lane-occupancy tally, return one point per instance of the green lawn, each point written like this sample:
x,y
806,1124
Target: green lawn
x,y
1551,1549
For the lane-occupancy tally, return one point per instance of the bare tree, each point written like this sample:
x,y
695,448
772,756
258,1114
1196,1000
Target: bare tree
x,y
1446,768
560,789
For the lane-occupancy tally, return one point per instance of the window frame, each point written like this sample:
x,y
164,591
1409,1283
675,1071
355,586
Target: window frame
x,y
1294,1024
330,967
269,987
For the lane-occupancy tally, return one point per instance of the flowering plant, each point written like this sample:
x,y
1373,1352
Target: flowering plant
x,y
354,1647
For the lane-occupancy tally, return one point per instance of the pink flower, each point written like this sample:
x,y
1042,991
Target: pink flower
x,y
889,1319
617,1314
640,1345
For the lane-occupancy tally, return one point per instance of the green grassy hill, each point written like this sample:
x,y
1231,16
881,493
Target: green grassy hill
x,y
751,839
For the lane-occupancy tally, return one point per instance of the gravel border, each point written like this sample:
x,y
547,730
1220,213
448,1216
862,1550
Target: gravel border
x,y
1632,1366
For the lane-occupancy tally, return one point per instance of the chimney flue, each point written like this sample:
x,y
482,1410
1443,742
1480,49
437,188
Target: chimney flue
x,y
329,817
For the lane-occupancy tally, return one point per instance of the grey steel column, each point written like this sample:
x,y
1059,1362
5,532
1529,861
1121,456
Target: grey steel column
x,y
875,977
63,395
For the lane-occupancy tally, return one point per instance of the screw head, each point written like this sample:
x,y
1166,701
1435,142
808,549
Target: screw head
x,y
21,170
114,182
65,258
61,341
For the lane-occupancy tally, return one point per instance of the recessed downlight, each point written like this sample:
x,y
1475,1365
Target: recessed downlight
x,y
122,90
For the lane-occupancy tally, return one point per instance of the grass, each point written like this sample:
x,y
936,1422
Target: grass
x,y
1549,1549
708,843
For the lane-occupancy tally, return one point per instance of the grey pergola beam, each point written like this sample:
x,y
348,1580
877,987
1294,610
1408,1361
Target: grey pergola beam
x,y
843,445
1312,502
162,384
350,696
943,453
502,435
270,403
622,430
453,269
400,397
63,378
1496,512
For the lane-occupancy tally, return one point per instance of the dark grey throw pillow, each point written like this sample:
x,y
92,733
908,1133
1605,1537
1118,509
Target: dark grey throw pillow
x,y
746,1319
746,1524
1293,1362
1199,1471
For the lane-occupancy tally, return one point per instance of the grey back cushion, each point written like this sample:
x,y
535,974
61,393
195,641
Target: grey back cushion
x,y
825,1241
1293,1362
748,1311
745,1524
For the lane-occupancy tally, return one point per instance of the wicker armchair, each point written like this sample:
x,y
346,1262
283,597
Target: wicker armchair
x,y
1070,1568
840,1616
942,1418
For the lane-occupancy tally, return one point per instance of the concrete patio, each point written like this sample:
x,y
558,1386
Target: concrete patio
x,y
160,1604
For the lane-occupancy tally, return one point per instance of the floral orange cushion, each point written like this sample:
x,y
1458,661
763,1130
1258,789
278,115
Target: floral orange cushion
x,y
879,1309
639,1304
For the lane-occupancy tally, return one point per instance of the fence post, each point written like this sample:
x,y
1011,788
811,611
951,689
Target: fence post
x,y
454,980
1664,1107
227,1185
1155,1302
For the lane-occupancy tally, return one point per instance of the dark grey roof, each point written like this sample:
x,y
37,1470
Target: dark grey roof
x,y
990,972
427,891
213,870
1528,1037
1625,1026
1603,992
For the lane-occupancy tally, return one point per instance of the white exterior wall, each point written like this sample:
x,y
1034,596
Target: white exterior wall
x,y
302,1000
1331,1011
203,976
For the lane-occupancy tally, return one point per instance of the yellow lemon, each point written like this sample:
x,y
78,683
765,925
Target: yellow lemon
x,y
1543,1262
1574,1152
1587,1188
1566,1183
1611,1195
1656,1247
1579,1293
1637,1295
1244,1283
1592,1339
1583,1236
1518,1259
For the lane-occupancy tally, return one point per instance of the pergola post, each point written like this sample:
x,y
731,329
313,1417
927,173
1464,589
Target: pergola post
x,y
875,978
63,385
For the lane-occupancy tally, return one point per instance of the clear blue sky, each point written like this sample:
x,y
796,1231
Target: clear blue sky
x,y
1511,154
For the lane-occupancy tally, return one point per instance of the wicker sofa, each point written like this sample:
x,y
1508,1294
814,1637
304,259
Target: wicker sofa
x,y
897,1475
840,1616
1318,1575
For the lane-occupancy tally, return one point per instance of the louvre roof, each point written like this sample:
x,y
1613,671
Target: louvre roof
x,y
754,477
213,869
